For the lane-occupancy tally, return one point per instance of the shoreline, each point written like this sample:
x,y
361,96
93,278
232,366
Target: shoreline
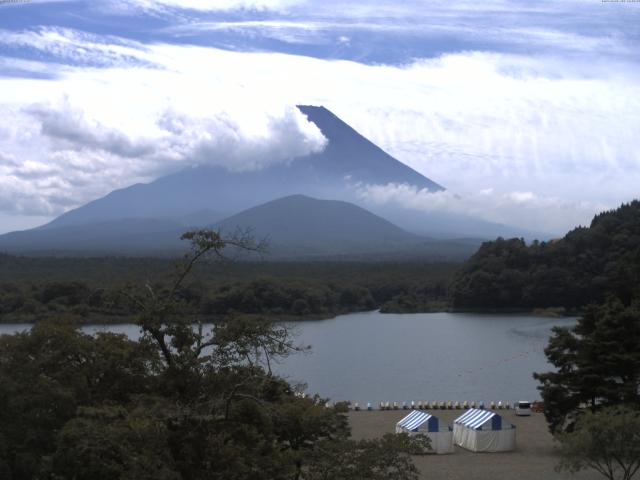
x,y
99,320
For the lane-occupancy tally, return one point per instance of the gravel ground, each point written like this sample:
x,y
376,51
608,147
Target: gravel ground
x,y
534,458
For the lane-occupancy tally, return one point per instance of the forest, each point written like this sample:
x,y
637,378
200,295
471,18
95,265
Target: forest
x,y
90,289
586,266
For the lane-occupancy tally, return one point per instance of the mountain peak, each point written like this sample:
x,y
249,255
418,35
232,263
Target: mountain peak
x,y
350,154
299,223
348,159
312,108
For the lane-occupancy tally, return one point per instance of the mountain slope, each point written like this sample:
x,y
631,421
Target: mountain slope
x,y
301,224
131,235
202,195
348,158
296,227
349,154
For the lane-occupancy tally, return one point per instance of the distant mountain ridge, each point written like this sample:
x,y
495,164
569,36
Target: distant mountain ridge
x,y
344,153
304,225
348,158
130,235
146,217
295,227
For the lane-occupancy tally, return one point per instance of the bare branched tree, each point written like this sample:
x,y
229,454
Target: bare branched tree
x,y
243,348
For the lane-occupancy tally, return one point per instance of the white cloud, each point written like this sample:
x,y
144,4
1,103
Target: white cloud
x,y
323,30
202,5
431,25
221,140
82,147
522,209
79,137
67,45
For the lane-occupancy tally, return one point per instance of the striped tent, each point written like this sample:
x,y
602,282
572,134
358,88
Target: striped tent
x,y
484,431
422,423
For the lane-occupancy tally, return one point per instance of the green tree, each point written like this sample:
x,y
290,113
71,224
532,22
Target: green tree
x,y
607,441
597,364
386,458
111,442
302,422
585,266
300,306
46,374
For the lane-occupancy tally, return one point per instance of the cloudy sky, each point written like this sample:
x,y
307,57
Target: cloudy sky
x,y
527,112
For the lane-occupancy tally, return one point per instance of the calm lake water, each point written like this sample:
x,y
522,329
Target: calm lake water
x,y
373,357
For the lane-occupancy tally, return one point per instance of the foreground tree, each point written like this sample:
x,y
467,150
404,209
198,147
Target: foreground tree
x,y
115,442
386,458
607,441
48,373
184,402
597,364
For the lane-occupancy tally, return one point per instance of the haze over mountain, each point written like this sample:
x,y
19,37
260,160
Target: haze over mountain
x,y
130,235
131,218
348,159
296,226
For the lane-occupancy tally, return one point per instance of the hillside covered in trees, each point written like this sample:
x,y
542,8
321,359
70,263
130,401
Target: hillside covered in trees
x,y
90,289
586,266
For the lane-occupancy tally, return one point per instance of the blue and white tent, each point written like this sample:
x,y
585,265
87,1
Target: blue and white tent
x,y
422,423
484,431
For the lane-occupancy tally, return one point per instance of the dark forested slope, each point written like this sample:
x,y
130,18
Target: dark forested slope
x,y
319,226
584,267
32,289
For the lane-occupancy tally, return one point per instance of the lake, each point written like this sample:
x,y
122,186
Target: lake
x,y
373,357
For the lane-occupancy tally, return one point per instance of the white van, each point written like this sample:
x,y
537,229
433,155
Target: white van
x,y
523,408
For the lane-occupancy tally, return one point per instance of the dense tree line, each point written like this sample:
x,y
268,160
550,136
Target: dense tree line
x,y
181,403
287,291
298,298
584,267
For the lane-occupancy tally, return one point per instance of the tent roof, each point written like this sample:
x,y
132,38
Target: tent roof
x,y
414,420
475,418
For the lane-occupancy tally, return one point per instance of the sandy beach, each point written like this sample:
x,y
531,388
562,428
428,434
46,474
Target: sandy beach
x,y
534,458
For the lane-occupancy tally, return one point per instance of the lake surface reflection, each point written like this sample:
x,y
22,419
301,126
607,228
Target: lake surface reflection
x,y
373,357
370,357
